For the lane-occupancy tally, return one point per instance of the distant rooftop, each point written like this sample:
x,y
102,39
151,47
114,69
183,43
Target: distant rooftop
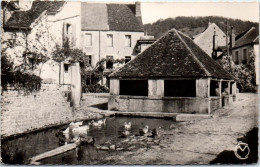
x,y
248,37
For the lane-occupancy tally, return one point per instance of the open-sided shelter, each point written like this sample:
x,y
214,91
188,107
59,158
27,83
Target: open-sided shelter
x,y
173,75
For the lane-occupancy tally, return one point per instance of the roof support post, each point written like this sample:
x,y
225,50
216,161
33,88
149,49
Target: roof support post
x,y
202,87
114,87
228,88
156,88
76,84
160,88
220,93
234,88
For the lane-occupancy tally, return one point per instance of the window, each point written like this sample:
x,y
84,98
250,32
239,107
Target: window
x,y
244,60
133,87
127,59
109,62
180,88
236,57
66,68
89,59
109,40
88,39
128,40
69,31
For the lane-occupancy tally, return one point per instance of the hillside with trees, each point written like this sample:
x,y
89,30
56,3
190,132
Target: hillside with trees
x,y
195,25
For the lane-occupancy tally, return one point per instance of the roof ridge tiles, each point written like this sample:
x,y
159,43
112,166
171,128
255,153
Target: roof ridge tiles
x,y
193,56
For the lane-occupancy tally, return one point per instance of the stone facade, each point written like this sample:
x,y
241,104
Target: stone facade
x,y
99,49
243,54
56,25
43,35
205,39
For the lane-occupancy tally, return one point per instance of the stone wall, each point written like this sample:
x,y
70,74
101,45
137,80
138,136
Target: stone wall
x,y
20,114
156,104
214,103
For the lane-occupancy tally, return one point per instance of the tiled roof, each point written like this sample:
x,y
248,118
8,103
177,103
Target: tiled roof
x,y
173,55
248,37
113,17
23,19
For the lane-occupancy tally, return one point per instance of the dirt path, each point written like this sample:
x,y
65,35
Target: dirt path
x,y
198,142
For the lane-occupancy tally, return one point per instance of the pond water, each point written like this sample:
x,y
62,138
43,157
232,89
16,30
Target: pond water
x,y
19,150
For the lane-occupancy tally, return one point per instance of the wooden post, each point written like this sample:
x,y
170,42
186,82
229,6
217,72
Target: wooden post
x,y
234,88
152,88
202,88
76,84
208,95
116,87
111,86
160,88
220,93
228,88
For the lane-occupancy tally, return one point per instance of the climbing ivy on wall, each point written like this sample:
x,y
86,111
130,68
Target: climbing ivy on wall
x,y
18,79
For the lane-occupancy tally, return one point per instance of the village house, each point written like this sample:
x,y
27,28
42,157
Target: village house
x,y
41,26
247,44
212,40
173,75
112,31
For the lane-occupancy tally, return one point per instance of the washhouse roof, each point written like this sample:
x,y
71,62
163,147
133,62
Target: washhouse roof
x,y
24,19
110,17
173,55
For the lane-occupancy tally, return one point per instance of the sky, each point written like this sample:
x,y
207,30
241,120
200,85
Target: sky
x,y
152,11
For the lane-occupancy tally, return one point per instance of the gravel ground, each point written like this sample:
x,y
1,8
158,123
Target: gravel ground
x,y
198,142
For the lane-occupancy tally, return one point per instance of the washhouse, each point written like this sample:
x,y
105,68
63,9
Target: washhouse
x,y
173,75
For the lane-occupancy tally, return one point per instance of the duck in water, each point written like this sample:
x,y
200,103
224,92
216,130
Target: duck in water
x,y
127,126
144,131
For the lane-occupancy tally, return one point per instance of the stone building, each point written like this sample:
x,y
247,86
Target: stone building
x,y
110,31
211,39
247,44
40,26
173,75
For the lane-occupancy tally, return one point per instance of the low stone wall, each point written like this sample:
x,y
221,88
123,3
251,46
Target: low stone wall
x,y
46,108
164,104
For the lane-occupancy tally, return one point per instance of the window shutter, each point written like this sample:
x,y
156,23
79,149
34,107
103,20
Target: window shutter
x,y
73,35
64,33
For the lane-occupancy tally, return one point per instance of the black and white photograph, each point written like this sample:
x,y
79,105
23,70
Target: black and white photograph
x,y
129,82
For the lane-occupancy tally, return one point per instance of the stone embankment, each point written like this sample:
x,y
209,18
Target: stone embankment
x,y
46,108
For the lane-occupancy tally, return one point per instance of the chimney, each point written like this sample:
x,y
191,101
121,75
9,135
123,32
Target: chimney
x,y
25,4
138,9
232,38
214,51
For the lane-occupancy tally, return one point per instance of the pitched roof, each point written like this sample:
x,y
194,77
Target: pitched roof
x,y
247,37
113,17
23,19
173,55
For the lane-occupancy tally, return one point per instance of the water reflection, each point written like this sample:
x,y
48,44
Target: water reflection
x,y
19,150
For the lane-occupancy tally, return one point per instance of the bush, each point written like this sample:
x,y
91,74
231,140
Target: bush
x,y
97,88
18,79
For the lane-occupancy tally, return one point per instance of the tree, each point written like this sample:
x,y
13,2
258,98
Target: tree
x,y
244,74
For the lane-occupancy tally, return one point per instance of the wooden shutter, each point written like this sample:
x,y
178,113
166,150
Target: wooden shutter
x,y
64,33
73,42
